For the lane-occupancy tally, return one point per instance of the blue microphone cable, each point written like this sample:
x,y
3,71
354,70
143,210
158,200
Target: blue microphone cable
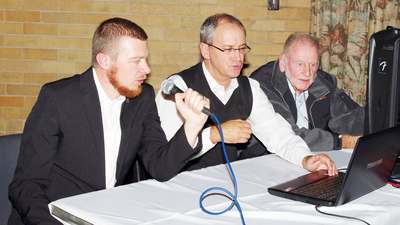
x,y
233,197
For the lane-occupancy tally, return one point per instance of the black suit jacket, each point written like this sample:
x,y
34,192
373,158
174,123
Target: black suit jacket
x,y
62,149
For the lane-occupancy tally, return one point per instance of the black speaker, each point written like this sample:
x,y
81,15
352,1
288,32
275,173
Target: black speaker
x,y
383,84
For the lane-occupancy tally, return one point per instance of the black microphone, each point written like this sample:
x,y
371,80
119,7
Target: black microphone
x,y
170,88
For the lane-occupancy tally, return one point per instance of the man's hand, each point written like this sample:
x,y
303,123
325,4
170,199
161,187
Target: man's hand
x,y
190,104
349,141
318,162
234,131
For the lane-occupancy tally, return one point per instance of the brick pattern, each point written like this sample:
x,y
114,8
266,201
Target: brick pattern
x,y
46,40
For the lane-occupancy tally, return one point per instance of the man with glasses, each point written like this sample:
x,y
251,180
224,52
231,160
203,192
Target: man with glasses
x,y
237,102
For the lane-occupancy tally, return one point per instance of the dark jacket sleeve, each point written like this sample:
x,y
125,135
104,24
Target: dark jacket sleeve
x,y
347,115
38,148
163,159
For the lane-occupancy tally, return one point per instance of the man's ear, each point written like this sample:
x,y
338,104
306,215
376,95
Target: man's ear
x,y
103,60
205,50
282,63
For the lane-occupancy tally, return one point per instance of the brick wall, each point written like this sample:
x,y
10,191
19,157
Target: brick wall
x,y
46,40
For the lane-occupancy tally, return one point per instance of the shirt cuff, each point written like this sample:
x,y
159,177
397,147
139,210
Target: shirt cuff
x,y
207,144
300,155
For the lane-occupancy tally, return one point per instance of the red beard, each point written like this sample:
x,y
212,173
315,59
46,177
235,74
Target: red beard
x,y
122,90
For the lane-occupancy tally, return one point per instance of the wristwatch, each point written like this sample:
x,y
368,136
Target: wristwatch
x,y
337,138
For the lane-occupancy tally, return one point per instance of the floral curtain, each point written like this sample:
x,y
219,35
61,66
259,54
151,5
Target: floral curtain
x,y
344,28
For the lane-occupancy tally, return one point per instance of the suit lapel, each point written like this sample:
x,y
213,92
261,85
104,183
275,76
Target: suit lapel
x,y
92,108
128,114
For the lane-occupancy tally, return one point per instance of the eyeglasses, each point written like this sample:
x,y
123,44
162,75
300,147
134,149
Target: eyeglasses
x,y
229,50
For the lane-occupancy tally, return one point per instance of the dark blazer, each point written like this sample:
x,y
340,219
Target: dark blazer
x,y
62,149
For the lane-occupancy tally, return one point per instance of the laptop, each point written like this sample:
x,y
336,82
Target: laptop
x,y
369,168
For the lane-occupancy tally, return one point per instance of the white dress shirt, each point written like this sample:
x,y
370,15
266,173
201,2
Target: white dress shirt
x,y
110,113
301,106
269,127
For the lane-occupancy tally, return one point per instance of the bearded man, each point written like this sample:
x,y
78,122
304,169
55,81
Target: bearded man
x,y
84,132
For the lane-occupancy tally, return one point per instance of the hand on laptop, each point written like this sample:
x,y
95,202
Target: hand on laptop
x,y
320,162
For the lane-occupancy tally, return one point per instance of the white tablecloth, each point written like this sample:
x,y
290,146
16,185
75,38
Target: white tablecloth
x,y
177,200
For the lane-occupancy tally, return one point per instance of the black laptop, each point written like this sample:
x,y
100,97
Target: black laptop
x,y
369,168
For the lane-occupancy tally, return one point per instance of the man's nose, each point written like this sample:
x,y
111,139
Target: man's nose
x,y
146,68
308,71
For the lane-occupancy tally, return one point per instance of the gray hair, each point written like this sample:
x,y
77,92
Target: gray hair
x,y
293,38
207,30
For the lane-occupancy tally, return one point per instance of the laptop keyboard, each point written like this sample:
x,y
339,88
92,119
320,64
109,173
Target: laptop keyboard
x,y
327,188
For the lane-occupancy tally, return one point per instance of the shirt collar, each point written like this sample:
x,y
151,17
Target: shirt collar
x,y
214,84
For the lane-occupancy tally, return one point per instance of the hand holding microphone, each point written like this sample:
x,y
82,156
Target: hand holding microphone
x,y
169,88
190,104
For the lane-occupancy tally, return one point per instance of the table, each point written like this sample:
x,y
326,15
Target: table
x,y
177,200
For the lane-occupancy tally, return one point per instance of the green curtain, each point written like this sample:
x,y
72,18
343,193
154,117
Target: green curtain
x,y
344,28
